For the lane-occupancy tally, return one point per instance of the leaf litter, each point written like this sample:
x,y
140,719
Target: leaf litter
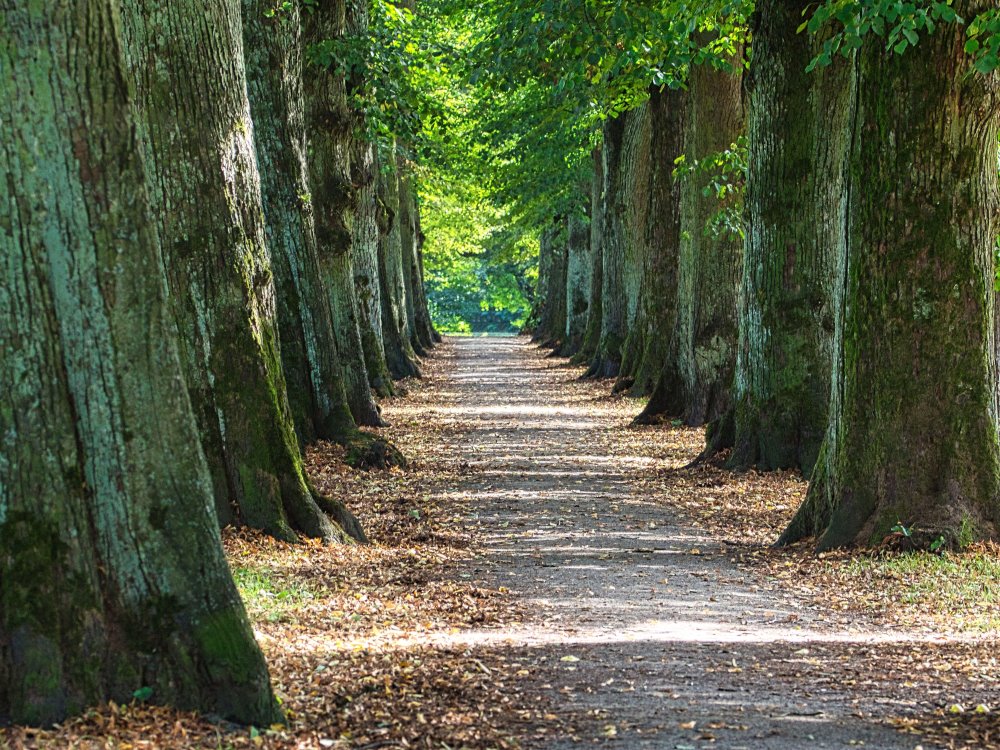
x,y
347,630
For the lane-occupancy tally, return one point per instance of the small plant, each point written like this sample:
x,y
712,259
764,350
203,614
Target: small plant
x,y
899,528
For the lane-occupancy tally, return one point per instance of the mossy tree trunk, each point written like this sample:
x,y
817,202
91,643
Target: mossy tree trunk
x,y
553,327
697,378
798,126
112,575
649,336
636,173
538,320
592,333
913,432
607,358
365,169
407,241
274,65
365,248
579,267
399,354
329,126
186,63
422,316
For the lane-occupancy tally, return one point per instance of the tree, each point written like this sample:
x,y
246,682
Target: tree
x,y
796,199
400,357
592,333
579,267
614,304
647,346
273,54
329,125
697,376
112,576
186,64
913,433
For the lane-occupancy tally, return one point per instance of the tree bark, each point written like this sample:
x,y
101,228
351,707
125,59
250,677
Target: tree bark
x,y
112,576
186,63
614,308
798,127
411,270
365,247
696,381
579,267
649,336
329,125
399,354
273,53
554,328
592,333
913,428
425,324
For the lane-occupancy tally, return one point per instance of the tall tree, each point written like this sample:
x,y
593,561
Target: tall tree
x,y
399,354
647,347
579,267
592,333
913,432
274,67
186,63
112,576
614,305
697,378
330,127
798,126
417,316
365,168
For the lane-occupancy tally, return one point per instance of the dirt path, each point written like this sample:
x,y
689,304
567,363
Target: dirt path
x,y
644,629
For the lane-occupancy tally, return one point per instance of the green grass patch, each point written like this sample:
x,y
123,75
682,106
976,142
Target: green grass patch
x,y
959,590
269,597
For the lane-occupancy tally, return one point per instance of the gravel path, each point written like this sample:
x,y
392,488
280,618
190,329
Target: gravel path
x,y
645,631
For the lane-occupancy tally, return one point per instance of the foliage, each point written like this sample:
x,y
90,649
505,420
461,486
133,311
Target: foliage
x,y
902,24
724,174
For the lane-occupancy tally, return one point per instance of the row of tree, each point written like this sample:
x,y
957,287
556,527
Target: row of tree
x,y
793,239
207,264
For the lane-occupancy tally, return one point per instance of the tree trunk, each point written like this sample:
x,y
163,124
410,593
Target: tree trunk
x,y
798,127
695,383
364,174
365,236
273,53
420,341
541,313
399,354
425,327
614,308
592,333
329,124
186,61
913,432
112,576
578,270
649,337
555,304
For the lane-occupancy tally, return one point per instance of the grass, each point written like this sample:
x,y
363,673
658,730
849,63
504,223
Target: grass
x,y
960,590
269,597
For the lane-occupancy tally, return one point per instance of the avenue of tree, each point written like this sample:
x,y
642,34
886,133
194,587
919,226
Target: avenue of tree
x,y
210,259
793,239
225,227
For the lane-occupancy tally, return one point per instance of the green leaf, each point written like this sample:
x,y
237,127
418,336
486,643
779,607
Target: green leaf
x,y
143,694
